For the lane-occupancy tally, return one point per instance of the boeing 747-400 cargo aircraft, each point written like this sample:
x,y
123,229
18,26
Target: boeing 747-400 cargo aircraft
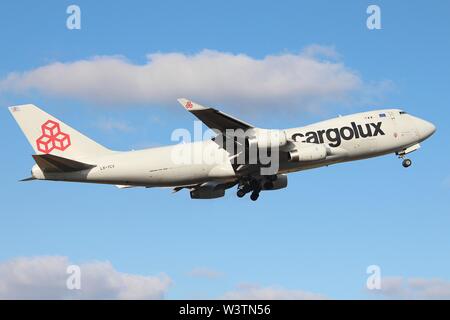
x,y
240,151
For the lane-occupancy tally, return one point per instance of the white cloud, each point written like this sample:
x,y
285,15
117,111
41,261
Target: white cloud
x,y
256,292
316,50
413,288
203,272
45,277
306,80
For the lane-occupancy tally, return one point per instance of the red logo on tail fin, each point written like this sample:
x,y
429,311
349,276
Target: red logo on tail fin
x,y
52,138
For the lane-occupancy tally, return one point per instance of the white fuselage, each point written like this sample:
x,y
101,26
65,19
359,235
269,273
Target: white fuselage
x,y
352,137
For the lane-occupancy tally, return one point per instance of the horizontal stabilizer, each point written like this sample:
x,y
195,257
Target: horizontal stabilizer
x,y
51,163
28,179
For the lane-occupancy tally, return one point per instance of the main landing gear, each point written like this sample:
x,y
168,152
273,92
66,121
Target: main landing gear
x,y
252,186
241,193
254,196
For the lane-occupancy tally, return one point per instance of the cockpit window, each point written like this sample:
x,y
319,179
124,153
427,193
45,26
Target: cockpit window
x,y
403,112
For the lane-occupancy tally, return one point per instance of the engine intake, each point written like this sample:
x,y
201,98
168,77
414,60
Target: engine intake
x,y
208,191
279,181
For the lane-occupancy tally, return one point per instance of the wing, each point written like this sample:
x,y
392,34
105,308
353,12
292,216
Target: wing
x,y
212,118
218,120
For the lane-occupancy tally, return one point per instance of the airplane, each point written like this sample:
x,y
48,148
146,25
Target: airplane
x,y
64,154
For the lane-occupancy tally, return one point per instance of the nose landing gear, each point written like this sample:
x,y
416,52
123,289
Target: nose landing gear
x,y
406,163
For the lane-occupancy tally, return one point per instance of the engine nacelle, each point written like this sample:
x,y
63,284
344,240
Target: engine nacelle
x,y
307,152
266,139
208,191
279,182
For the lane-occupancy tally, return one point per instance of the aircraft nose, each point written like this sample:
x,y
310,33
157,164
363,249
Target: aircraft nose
x,y
426,129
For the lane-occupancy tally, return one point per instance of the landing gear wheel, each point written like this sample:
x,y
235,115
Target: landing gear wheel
x,y
406,163
254,196
240,193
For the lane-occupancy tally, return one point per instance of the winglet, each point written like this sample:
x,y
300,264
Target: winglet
x,y
191,106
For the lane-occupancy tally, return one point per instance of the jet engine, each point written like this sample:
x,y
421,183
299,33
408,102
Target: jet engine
x,y
279,181
208,191
307,152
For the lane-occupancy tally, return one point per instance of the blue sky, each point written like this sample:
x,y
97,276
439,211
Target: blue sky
x,y
318,235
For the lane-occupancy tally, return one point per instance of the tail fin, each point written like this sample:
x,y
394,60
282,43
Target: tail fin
x,y
48,135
